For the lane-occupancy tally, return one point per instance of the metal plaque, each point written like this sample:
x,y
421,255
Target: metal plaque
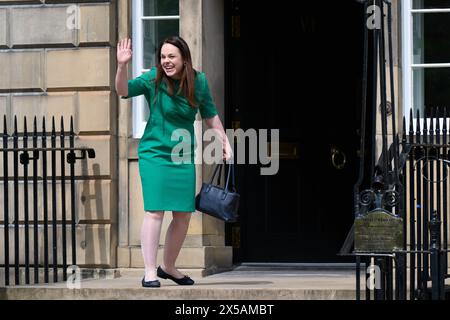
x,y
378,231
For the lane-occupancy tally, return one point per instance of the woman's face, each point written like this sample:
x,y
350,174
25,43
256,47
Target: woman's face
x,y
171,61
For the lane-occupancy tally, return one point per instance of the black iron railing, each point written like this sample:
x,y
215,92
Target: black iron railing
x,y
35,157
419,270
427,184
401,200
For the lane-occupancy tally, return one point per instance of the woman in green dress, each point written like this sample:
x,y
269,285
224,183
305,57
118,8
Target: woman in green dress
x,y
175,92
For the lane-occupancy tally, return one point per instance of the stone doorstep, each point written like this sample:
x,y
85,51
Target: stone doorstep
x,y
128,287
175,293
103,273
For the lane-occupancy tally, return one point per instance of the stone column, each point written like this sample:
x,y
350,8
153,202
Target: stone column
x,y
201,25
124,135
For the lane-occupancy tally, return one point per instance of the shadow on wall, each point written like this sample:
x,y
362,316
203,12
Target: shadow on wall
x,y
96,243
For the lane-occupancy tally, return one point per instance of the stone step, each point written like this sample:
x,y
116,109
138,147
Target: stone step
x,y
194,293
232,285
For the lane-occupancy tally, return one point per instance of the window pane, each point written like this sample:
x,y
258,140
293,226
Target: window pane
x,y
154,33
431,4
431,89
161,8
431,32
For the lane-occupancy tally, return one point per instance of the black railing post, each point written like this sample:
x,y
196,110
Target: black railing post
x,y
436,278
5,200
24,160
63,201
442,274
35,203
402,286
425,202
16,204
374,117
367,289
358,278
445,188
412,207
380,293
438,167
382,63
54,208
45,199
419,206
72,190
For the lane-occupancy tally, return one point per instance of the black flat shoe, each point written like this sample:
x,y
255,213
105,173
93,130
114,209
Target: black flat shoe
x,y
185,281
151,284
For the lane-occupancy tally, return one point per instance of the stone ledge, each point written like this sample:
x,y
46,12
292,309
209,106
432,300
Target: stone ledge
x,y
173,293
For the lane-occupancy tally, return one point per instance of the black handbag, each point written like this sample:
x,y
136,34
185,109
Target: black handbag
x,y
219,202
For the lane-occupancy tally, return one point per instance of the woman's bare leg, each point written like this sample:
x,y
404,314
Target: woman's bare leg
x,y
176,233
150,234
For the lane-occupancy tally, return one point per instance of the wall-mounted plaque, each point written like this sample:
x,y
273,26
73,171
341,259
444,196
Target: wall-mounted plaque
x,y
378,231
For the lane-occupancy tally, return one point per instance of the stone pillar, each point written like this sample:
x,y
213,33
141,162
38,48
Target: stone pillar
x,y
124,134
201,25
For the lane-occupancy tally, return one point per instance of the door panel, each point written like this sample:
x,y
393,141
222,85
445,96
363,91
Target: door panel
x,y
298,71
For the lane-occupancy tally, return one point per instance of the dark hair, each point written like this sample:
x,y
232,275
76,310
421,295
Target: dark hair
x,y
187,85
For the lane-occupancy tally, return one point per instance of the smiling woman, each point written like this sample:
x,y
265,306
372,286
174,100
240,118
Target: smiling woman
x,y
176,64
171,61
175,92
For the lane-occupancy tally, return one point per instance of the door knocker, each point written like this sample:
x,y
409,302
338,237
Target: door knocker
x,y
338,158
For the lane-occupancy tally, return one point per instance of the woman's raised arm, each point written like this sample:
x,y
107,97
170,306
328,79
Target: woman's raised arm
x,y
124,55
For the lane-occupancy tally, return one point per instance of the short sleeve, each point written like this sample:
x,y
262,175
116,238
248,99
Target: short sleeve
x,y
138,86
207,107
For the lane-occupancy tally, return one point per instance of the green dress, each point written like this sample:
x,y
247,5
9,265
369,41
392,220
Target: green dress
x,y
168,183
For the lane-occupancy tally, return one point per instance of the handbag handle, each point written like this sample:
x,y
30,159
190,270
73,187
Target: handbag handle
x,y
230,173
219,166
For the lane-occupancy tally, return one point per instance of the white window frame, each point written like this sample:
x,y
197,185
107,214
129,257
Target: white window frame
x,y
139,108
408,63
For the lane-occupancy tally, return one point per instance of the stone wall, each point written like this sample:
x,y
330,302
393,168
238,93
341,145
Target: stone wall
x,y
53,66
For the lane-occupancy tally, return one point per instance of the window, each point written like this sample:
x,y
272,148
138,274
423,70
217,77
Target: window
x,y
426,56
153,21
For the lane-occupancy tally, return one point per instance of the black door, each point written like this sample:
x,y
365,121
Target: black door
x,y
296,69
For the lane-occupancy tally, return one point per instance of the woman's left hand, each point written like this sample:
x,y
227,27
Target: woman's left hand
x,y
227,152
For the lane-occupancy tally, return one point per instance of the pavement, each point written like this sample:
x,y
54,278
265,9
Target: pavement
x,y
244,282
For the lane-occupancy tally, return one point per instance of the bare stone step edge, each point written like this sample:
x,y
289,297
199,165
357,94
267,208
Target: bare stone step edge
x,y
27,293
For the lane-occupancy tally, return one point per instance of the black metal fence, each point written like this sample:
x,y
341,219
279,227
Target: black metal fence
x,y
420,269
30,210
427,184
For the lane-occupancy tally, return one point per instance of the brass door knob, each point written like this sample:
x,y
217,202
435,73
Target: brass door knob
x,y
338,158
